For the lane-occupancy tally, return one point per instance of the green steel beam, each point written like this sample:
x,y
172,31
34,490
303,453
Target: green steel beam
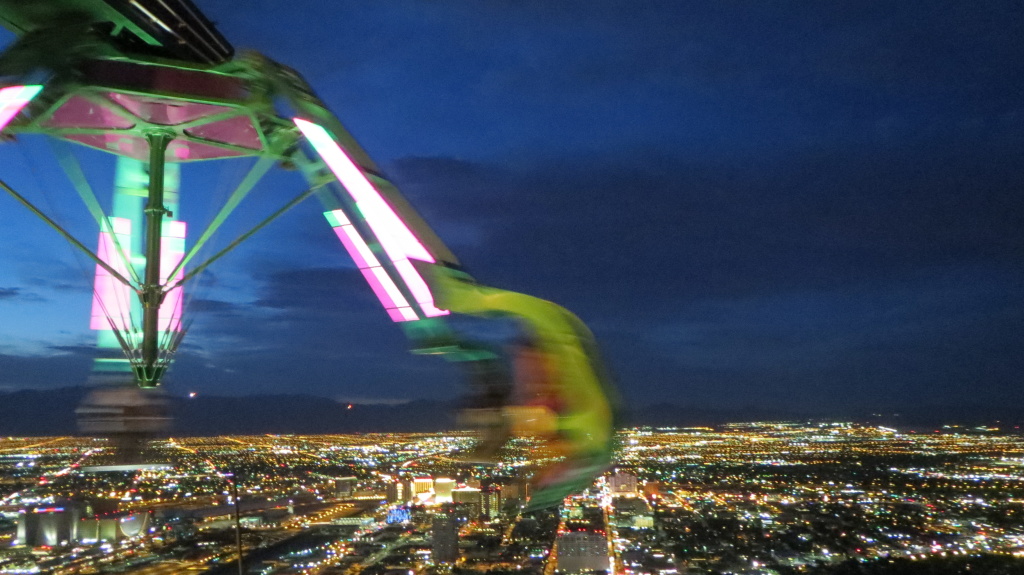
x,y
280,211
248,183
64,233
76,176
151,292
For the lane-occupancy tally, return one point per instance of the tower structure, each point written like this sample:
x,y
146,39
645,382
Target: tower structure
x,y
153,83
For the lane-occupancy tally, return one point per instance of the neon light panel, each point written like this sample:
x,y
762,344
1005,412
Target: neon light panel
x,y
397,240
13,99
383,286
394,236
172,249
111,298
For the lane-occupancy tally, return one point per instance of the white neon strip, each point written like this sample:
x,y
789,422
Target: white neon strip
x,y
403,314
172,249
152,17
378,288
398,241
359,251
13,99
394,236
380,282
389,286
418,287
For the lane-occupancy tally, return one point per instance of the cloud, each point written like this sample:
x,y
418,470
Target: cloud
x,y
213,306
649,224
317,288
319,330
9,293
64,369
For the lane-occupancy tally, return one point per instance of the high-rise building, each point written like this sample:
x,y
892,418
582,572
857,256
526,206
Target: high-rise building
x,y
443,488
652,489
623,483
393,492
491,500
445,534
52,526
422,485
582,551
517,489
469,497
344,486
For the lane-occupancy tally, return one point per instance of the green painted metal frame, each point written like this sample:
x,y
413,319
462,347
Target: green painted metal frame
x,y
270,95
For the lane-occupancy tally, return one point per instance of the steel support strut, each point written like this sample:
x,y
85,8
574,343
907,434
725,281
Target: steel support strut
x,y
151,292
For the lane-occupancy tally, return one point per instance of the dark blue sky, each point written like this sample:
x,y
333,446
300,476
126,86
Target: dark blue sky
x,y
798,204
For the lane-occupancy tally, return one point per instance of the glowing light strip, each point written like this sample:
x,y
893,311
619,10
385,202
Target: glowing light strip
x,y
111,297
172,249
13,99
419,288
397,240
380,282
394,236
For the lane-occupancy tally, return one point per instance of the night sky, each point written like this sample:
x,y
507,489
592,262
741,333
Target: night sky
x,y
804,205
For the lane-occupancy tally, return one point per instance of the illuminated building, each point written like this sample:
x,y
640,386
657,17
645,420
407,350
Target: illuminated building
x,y
344,486
394,491
52,526
422,485
445,534
652,488
112,527
582,551
623,483
443,489
470,497
491,500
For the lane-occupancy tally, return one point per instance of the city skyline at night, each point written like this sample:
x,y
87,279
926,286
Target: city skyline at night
x,y
788,205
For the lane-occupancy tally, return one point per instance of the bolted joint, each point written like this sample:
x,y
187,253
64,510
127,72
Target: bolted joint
x,y
152,296
159,137
157,210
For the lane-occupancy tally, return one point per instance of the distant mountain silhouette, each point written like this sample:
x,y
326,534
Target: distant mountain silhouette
x,y
303,414
40,412
52,412
918,418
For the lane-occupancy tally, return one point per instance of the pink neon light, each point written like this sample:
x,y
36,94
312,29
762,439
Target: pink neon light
x,y
396,297
175,229
378,288
356,247
396,315
403,314
394,236
112,298
398,241
121,226
383,286
13,99
418,287
172,249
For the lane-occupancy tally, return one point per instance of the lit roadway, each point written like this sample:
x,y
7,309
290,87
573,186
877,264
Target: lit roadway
x,y
228,553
